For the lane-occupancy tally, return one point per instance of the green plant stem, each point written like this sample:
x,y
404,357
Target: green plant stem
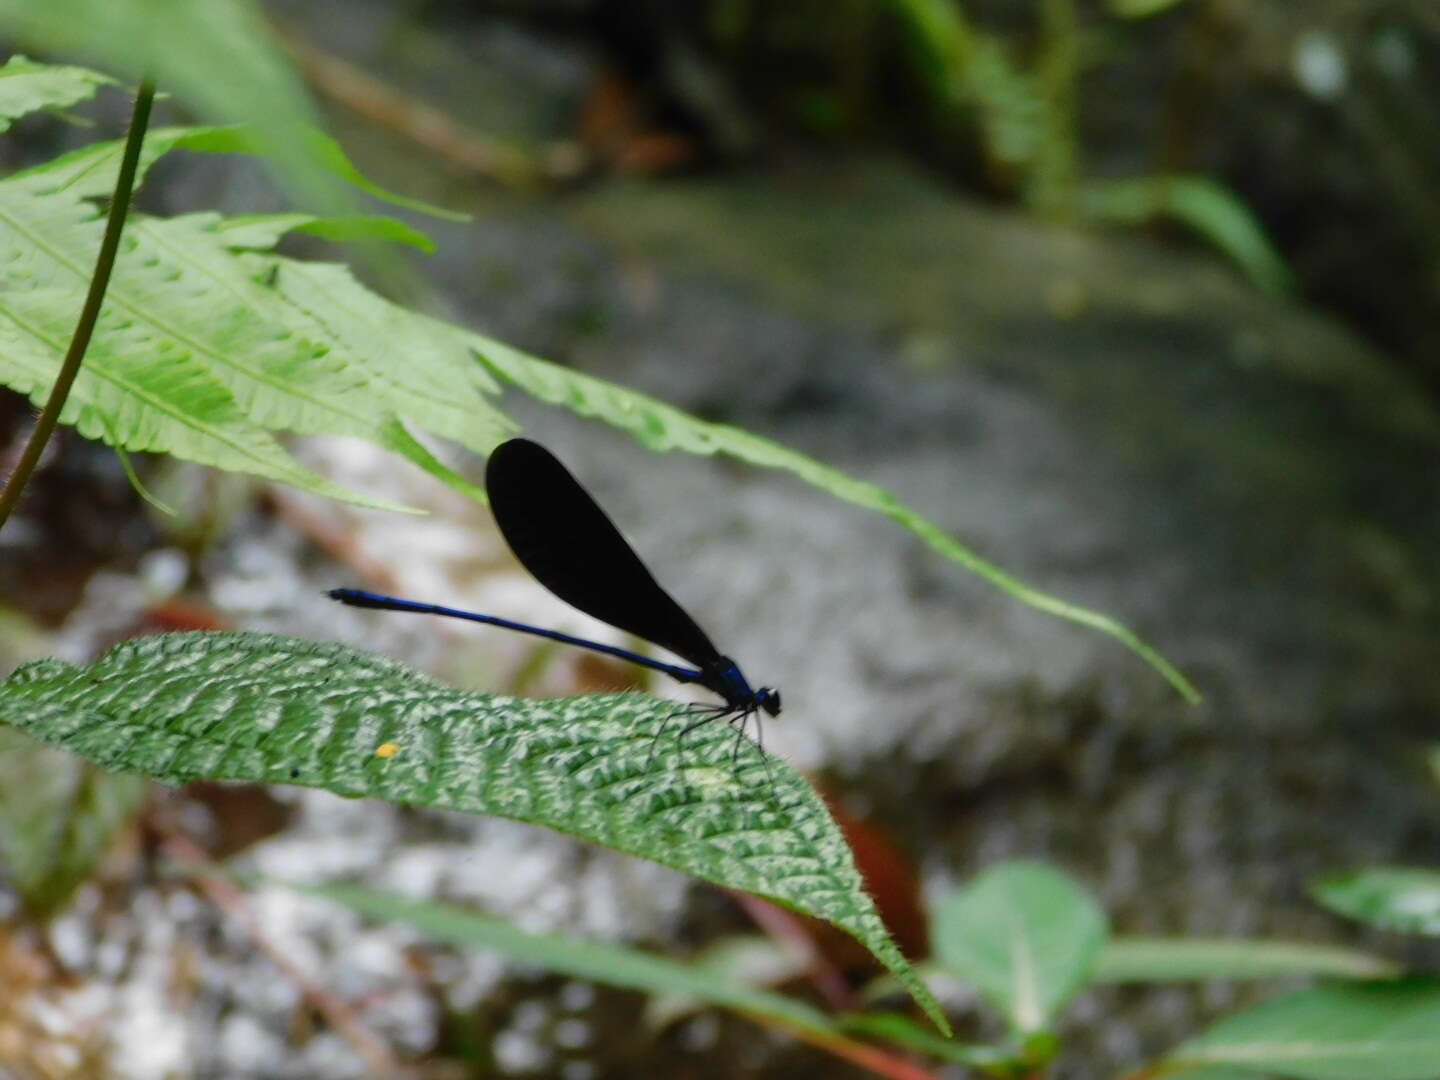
x,y
1050,186
85,325
872,1058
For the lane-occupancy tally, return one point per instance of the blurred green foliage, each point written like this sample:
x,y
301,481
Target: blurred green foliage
x,y
996,101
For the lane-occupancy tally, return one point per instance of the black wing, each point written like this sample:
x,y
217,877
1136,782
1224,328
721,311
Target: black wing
x,y
571,547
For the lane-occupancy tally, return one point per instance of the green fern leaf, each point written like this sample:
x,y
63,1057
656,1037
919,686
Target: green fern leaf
x,y
89,172
262,231
218,56
197,354
26,87
328,154
149,392
664,427
967,69
256,707
210,342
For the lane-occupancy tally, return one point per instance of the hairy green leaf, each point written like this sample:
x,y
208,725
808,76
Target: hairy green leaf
x,y
1143,959
1351,1031
262,708
1398,898
58,815
663,427
1025,935
26,87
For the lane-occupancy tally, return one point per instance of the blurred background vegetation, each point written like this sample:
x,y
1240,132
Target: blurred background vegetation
x,y
1318,119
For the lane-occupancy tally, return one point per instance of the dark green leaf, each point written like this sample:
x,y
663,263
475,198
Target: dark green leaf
x,y
58,815
257,707
1403,899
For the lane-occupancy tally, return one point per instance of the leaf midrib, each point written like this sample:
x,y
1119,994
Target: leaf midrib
x,y
141,224
1305,1050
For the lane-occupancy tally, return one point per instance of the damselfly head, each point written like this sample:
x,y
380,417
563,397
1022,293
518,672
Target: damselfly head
x,y
769,700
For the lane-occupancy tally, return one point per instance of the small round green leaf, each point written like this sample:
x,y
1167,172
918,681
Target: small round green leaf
x,y
1398,898
258,707
1025,935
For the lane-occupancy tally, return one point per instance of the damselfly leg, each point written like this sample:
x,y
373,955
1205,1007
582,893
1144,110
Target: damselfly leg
x,y
738,721
705,712
699,715
760,743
